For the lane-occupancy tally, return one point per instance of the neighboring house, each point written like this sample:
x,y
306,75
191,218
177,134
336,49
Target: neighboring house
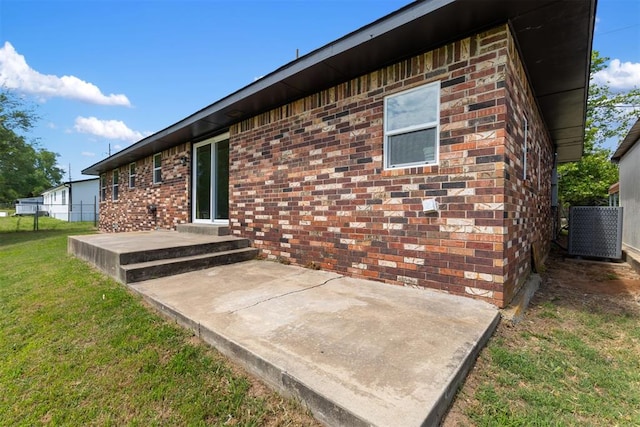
x,y
73,201
628,158
417,150
29,206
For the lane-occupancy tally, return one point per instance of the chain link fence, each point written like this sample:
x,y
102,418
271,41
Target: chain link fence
x,y
83,212
76,212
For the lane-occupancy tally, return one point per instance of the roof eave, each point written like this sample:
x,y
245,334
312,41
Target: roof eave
x,y
632,137
559,69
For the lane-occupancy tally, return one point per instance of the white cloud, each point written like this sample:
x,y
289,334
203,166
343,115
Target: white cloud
x,y
16,74
619,75
88,154
110,129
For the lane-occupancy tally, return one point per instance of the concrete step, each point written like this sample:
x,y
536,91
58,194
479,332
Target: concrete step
x,y
135,256
223,244
140,271
206,229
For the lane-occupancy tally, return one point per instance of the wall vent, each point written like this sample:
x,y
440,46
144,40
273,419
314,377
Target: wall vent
x,y
595,231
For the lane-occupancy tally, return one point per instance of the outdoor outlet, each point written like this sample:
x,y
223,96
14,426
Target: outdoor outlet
x,y
429,205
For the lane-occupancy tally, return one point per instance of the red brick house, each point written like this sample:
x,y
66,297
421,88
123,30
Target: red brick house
x,y
417,150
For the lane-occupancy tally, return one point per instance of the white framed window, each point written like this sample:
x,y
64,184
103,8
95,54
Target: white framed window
x,y
157,168
115,184
64,197
412,127
132,175
103,188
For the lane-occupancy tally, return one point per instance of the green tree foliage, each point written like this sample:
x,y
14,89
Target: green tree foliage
x,y
609,115
587,182
25,168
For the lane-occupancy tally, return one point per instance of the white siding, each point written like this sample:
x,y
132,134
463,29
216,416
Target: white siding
x,y
85,197
55,207
630,196
28,205
80,201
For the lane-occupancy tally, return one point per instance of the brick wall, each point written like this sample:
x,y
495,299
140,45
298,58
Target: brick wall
x,y
171,196
528,189
309,188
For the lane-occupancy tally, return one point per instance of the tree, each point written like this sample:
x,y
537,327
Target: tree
x,y
609,115
25,168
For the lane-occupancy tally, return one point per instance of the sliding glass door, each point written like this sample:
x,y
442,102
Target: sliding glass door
x,y
210,197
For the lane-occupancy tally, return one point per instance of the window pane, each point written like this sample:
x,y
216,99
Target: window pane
x,y
222,180
203,182
413,108
157,168
132,175
412,147
116,179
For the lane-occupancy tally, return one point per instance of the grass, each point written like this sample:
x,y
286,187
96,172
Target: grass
x,y
26,223
567,364
76,348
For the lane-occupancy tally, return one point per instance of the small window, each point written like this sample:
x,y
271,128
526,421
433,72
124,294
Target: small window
x,y
64,197
55,194
103,188
132,175
116,179
411,129
157,168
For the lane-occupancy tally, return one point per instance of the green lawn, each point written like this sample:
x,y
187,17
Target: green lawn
x,y
76,348
564,378
574,360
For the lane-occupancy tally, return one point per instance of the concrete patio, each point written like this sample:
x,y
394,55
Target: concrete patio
x,y
356,352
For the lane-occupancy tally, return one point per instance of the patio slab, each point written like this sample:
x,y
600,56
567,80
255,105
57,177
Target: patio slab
x,y
356,352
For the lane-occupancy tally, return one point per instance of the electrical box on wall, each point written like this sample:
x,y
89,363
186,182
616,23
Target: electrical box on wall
x,y
429,205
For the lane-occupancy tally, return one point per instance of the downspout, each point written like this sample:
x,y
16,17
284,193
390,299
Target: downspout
x,y
69,201
555,203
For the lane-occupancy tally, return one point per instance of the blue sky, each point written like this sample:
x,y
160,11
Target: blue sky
x,y
108,73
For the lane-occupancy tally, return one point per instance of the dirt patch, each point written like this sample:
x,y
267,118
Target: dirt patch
x,y
571,284
595,277
605,286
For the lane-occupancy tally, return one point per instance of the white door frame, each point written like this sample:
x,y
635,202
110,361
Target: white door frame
x,y
212,208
